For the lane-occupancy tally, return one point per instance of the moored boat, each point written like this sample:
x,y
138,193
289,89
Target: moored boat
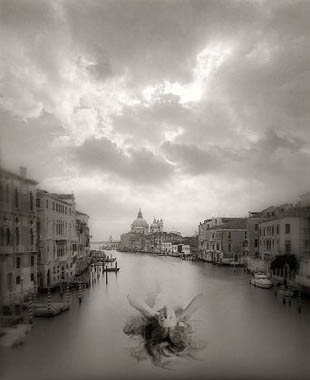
x,y
261,280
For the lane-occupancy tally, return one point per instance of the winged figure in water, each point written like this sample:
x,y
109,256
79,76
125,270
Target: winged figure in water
x,y
164,329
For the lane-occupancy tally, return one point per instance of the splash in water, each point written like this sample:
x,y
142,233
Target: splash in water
x,y
164,332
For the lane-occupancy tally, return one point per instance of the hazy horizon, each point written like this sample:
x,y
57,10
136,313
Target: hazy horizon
x,y
185,109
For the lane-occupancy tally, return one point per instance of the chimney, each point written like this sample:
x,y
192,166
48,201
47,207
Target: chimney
x,y
23,171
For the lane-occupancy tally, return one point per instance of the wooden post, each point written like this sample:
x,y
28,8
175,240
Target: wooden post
x,y
80,292
299,300
49,306
11,300
68,294
106,275
35,292
30,309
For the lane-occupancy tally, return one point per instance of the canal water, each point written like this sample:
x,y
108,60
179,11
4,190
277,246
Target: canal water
x,y
248,332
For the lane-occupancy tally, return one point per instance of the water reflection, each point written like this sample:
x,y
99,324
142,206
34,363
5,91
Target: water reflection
x,y
249,332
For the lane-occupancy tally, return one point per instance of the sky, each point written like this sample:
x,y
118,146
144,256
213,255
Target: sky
x,y
185,109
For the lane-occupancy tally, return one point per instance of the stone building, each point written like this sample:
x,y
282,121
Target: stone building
x,y
157,226
223,238
133,242
83,241
83,236
57,237
283,236
139,225
252,246
18,250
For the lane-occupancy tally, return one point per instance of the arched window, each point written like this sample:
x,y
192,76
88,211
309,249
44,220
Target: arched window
x,y
16,198
1,192
17,242
2,237
8,236
31,201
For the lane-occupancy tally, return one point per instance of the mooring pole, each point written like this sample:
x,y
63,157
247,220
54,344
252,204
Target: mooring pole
x,y
30,310
49,306
68,293
80,292
299,300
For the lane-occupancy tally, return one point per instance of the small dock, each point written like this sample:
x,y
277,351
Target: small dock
x,y
113,269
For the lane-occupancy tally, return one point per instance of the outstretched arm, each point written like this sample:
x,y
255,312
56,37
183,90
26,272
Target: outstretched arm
x,y
193,306
141,306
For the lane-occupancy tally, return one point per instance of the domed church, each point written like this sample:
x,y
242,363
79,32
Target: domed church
x,y
140,225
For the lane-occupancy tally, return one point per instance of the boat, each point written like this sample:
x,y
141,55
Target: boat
x,y
261,280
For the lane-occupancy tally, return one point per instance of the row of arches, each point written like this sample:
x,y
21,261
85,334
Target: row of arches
x,y
6,236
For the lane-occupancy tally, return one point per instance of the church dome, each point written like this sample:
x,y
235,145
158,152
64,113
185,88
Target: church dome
x,y
139,224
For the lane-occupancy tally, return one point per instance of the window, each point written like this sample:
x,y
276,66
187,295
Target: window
x,y
2,237
53,206
256,243
10,280
229,235
31,201
38,227
31,277
287,228
229,247
8,236
32,261
256,227
7,193
17,242
287,246
38,203
17,262
278,229
1,192
16,198
17,280
46,203
31,236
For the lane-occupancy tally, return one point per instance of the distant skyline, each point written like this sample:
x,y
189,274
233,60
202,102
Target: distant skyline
x,y
185,109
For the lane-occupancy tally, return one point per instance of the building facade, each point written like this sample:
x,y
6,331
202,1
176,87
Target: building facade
x,y
140,225
57,238
83,235
18,249
222,238
157,226
133,242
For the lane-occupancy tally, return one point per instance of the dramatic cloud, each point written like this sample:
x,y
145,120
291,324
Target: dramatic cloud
x,y
187,108
141,165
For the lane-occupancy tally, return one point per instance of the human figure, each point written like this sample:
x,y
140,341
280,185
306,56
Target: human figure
x,y
165,329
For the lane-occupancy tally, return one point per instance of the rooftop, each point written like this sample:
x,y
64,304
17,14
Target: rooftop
x,y
17,176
